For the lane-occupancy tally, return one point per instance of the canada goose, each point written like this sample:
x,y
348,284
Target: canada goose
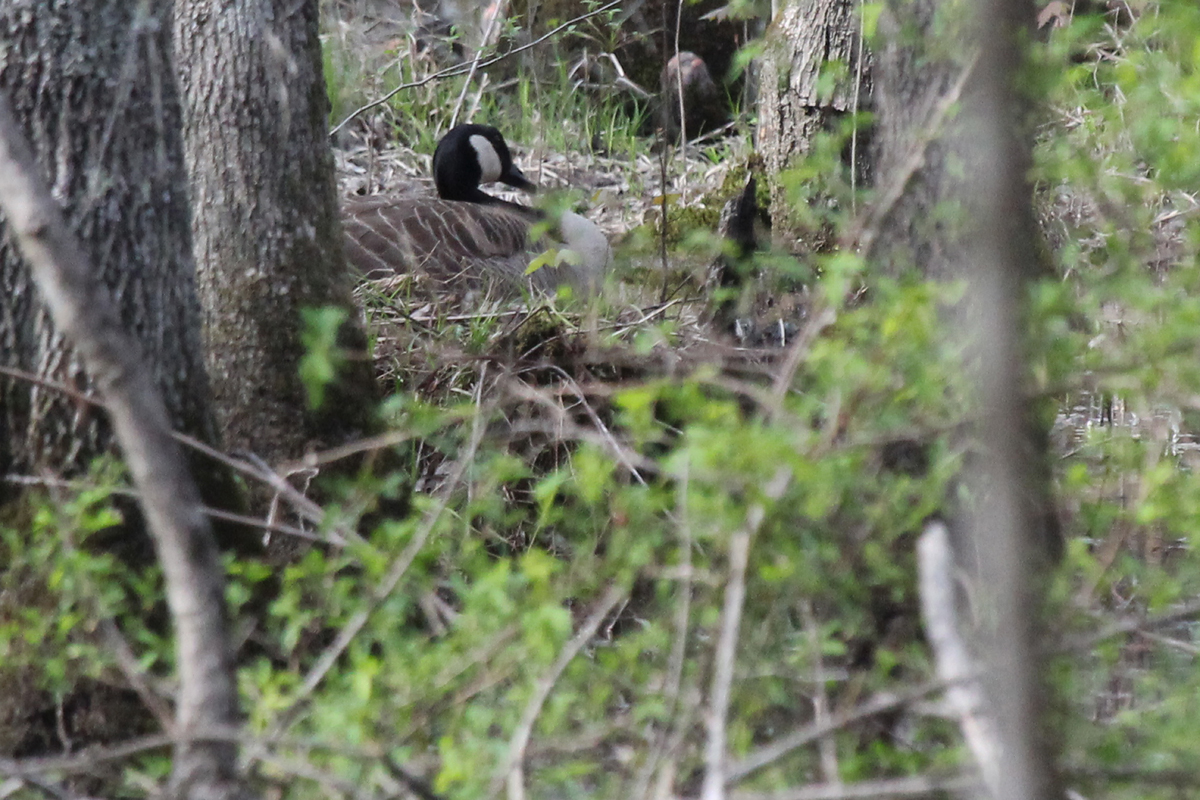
x,y
466,237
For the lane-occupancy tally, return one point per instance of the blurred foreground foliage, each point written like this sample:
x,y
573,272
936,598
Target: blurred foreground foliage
x,y
461,611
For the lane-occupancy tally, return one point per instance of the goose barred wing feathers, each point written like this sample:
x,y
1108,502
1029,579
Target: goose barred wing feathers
x,y
470,246
450,242
467,239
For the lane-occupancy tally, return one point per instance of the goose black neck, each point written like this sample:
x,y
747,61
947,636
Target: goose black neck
x,y
481,197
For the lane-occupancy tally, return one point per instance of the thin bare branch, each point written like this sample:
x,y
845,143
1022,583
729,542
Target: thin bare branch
x,y
85,314
726,652
826,744
213,513
251,467
1132,624
939,612
787,743
510,772
912,786
493,13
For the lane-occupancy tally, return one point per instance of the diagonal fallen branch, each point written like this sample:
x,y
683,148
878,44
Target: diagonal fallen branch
x,y
879,704
84,312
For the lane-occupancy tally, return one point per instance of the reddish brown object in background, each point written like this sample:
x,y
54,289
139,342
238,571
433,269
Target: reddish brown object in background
x,y
687,73
1058,14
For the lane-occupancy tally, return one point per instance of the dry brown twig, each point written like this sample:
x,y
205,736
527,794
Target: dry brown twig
x,y
565,428
622,453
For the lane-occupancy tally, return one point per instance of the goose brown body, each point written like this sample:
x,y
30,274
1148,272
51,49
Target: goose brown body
x,y
473,242
447,240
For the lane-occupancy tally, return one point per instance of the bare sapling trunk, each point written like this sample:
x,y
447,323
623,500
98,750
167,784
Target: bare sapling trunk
x,y
1008,520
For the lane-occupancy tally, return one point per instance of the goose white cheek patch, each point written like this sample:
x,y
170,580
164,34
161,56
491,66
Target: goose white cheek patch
x,y
489,159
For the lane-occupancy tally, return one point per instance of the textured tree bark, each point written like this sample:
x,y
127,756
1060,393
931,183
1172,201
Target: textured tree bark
x,y
267,236
93,90
91,84
918,78
85,314
794,103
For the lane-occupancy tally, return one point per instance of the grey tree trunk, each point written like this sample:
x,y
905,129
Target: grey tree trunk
x,y
919,82
931,213
953,139
1009,519
91,84
265,224
795,104
93,89
85,314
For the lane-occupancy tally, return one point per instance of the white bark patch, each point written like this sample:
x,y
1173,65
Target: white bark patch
x,y
489,159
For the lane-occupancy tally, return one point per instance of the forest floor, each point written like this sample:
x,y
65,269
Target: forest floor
x,y
616,179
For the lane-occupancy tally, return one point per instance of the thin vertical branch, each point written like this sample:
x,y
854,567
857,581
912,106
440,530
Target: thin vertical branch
x,y
726,652
494,13
952,656
1008,522
682,625
679,88
827,746
854,108
663,155
664,199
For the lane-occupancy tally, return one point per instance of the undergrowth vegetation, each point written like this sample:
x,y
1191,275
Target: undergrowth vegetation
x,y
583,485
1116,176
545,97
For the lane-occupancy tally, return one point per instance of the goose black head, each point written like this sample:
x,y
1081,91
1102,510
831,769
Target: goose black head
x,y
469,155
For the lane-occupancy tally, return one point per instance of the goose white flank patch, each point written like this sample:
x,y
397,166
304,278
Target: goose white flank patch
x,y
468,238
